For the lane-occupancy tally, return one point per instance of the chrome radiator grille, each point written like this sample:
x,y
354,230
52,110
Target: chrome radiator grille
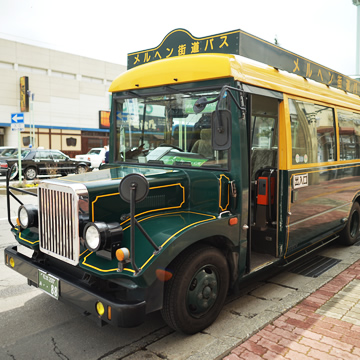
x,y
59,221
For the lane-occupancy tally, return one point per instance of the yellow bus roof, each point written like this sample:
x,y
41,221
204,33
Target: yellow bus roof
x,y
193,68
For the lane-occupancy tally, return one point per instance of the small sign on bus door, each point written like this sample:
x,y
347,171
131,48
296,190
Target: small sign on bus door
x,y
300,180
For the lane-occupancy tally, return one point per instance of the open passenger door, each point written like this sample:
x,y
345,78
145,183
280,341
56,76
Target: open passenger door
x,y
263,116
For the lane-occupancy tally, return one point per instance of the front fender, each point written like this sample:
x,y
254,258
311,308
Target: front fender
x,y
173,232
183,229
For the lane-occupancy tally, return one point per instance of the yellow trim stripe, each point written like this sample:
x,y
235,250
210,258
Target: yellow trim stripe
x,y
220,192
28,241
145,212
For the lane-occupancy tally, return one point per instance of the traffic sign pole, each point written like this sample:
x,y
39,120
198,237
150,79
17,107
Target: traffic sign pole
x,y
19,157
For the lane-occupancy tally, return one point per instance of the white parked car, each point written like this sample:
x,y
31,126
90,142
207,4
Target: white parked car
x,y
95,155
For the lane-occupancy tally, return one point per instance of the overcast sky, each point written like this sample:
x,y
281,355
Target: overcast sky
x,y
322,31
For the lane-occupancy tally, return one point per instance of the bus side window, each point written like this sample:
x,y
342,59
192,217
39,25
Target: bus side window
x,y
312,133
349,134
264,137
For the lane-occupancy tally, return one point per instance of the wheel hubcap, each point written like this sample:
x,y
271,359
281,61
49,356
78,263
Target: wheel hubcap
x,y
203,291
31,173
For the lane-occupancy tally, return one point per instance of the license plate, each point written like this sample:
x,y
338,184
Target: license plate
x,y
49,284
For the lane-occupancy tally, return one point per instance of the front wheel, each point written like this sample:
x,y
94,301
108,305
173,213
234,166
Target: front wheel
x,y
81,169
196,293
349,235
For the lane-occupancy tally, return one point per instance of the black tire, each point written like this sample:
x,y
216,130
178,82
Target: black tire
x,y
349,235
81,169
30,173
196,293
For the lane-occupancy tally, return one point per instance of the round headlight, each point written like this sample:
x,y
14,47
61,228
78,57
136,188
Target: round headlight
x,y
23,217
92,237
28,216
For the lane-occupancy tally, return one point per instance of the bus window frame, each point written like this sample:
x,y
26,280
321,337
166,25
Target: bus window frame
x,y
339,140
288,141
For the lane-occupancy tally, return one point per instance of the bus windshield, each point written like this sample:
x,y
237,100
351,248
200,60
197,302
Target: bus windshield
x,y
164,129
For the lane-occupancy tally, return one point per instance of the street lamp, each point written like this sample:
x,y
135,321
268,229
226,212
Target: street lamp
x,y
357,4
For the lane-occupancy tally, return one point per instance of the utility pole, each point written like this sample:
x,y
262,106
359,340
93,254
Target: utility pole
x,y
32,121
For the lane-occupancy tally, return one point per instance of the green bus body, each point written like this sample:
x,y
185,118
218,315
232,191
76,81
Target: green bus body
x,y
266,194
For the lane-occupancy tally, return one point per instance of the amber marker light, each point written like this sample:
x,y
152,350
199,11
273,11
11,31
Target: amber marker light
x,y
100,308
18,222
109,312
122,254
163,275
233,221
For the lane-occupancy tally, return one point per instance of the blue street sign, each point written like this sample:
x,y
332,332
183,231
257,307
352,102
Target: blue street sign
x,y
17,121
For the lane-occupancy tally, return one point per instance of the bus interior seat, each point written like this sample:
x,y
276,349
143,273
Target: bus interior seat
x,y
203,145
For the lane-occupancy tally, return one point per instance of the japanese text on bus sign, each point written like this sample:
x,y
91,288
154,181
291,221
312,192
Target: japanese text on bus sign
x,y
180,42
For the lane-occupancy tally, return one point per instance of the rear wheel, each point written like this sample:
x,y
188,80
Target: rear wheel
x,y
30,173
194,296
350,233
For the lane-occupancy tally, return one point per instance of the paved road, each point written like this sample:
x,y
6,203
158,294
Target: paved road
x,y
35,326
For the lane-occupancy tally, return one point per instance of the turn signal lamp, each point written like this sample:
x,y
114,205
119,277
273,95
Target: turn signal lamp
x,y
233,221
163,275
122,254
100,309
12,262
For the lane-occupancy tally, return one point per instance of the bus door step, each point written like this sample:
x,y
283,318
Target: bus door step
x,y
264,242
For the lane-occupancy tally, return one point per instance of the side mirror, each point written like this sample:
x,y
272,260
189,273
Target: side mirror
x,y
221,129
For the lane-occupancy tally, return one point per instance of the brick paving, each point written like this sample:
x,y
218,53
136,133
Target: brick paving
x,y
324,326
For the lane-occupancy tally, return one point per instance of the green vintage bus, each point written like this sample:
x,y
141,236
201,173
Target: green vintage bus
x,y
227,155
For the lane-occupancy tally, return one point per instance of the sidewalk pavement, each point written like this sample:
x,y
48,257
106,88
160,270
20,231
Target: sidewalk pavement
x,y
324,326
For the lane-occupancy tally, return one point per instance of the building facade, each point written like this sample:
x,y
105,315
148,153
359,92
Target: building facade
x,y
66,94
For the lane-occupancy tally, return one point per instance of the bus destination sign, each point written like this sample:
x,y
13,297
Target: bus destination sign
x,y
180,42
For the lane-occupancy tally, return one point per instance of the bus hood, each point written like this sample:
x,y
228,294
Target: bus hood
x,y
169,190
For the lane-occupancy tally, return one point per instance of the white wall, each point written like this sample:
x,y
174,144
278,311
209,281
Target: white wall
x,y
69,89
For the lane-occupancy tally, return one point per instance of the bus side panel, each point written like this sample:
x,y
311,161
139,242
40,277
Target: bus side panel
x,y
319,200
